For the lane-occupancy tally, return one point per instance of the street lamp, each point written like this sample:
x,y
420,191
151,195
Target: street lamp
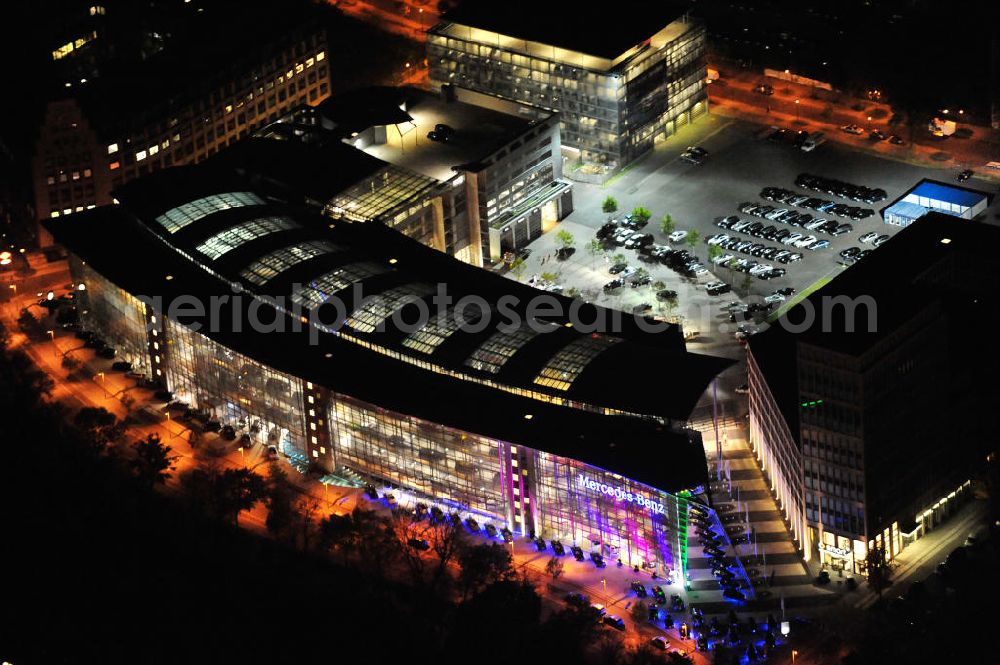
x,y
243,457
796,109
794,654
52,336
104,385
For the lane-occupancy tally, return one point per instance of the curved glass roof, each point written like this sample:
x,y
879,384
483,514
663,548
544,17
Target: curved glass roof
x,y
177,218
244,232
375,310
320,289
501,346
568,363
435,331
271,265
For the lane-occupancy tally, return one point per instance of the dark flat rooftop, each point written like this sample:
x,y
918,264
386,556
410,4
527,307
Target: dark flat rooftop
x,y
605,31
939,260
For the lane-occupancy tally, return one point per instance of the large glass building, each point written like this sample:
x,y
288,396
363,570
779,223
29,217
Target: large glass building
x,y
619,84
310,336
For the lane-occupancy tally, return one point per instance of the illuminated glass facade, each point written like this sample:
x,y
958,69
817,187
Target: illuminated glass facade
x,y
611,110
236,390
114,314
522,488
177,218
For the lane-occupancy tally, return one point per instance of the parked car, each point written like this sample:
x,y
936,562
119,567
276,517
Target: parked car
x,y
852,129
717,288
614,621
614,284
965,175
868,237
617,268
878,241
678,236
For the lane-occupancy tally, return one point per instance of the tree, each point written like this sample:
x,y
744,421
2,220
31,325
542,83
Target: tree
x,y
639,612
237,490
619,258
692,238
279,500
549,277
667,225
610,205
483,565
337,531
565,239
641,214
732,264
446,541
98,426
554,568
714,252
517,268
877,569
153,461
595,248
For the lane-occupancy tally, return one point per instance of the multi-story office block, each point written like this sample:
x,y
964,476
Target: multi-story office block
x,y
221,76
333,342
619,85
474,176
866,399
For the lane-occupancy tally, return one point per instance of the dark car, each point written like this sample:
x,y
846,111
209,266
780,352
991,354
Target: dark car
x,y
617,268
472,525
965,175
614,284
598,559
576,599
577,553
491,531
106,352
558,548
642,308
614,621
434,135
639,588
418,544
121,366
640,280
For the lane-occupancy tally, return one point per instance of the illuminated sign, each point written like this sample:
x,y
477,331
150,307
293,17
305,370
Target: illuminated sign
x,y
835,551
621,494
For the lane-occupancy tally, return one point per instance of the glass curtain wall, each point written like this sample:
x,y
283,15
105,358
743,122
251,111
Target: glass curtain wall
x,y
235,390
115,315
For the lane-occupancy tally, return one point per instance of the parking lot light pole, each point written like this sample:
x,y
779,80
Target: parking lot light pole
x,y
796,110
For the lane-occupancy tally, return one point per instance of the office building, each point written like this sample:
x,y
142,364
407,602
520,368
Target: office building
x,y
204,78
471,175
619,83
866,398
487,411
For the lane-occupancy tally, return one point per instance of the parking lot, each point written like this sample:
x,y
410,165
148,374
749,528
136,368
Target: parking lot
x,y
741,162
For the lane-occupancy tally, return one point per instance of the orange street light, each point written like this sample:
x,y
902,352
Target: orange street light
x,y
243,456
794,654
104,383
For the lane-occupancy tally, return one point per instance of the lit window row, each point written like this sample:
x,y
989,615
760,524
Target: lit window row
x,y
177,218
244,232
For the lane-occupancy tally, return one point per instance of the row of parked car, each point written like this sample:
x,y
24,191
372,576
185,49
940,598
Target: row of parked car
x,y
841,189
788,197
794,218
